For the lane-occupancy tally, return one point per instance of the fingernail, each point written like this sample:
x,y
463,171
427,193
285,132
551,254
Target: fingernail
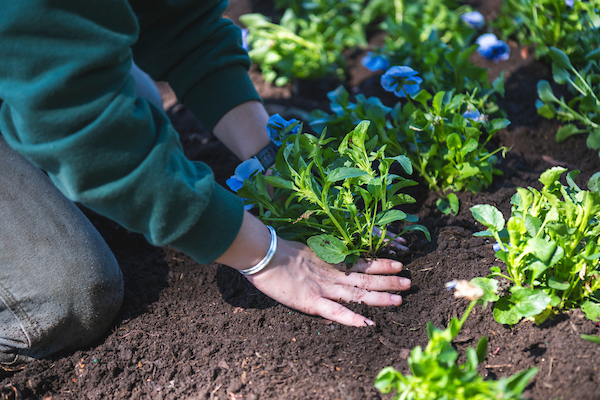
x,y
405,282
397,265
397,299
369,322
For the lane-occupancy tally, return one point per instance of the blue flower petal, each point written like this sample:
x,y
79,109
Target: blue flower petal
x,y
570,3
234,184
492,48
401,80
474,19
475,115
245,43
247,168
277,123
375,62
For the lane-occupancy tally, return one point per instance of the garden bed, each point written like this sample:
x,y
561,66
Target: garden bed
x,y
189,331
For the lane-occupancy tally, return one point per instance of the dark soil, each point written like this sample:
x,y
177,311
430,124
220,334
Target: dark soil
x,y
189,331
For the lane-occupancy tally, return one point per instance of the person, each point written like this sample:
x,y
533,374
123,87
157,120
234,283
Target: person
x,y
74,130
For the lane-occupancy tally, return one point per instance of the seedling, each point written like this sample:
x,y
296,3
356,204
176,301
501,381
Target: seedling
x,y
550,248
333,198
436,373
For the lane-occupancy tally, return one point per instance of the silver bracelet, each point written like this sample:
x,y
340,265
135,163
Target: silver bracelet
x,y
263,263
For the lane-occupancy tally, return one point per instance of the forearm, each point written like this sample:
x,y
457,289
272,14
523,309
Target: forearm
x,y
244,129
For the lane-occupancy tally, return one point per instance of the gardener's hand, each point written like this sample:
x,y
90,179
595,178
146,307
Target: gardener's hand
x,y
299,279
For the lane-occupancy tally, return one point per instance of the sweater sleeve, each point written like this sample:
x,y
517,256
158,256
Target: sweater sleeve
x,y
190,45
70,107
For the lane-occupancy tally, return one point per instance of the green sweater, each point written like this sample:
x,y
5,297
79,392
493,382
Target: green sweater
x,y
69,106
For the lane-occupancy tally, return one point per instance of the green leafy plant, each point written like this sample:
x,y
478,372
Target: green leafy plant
x,y
550,245
436,373
569,25
591,338
294,48
333,198
584,106
352,16
309,40
447,149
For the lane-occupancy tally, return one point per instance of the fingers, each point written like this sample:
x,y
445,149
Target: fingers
x,y
358,295
338,313
378,266
367,274
376,282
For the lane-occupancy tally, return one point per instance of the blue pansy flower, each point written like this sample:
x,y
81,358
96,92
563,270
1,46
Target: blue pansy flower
x,y
570,3
277,123
375,62
245,43
492,48
401,80
242,172
475,115
474,19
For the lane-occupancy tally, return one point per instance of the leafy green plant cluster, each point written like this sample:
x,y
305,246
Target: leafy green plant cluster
x,y
294,48
583,109
551,248
309,40
569,25
333,198
447,149
436,374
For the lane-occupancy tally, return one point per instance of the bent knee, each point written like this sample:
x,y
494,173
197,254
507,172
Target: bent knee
x,y
73,312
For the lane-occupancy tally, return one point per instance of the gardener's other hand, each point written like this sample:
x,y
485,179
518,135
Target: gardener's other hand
x,y
299,279
396,243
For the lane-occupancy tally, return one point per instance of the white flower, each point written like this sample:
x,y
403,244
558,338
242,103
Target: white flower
x,y
465,289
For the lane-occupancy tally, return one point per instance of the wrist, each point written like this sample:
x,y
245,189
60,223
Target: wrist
x,y
267,155
267,258
250,245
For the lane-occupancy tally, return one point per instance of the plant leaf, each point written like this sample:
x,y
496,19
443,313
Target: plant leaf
x,y
560,75
481,349
405,163
545,91
519,381
342,173
591,310
594,183
328,248
505,313
560,58
591,338
567,131
529,302
593,139
277,181
416,228
389,216
489,286
489,216
551,175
